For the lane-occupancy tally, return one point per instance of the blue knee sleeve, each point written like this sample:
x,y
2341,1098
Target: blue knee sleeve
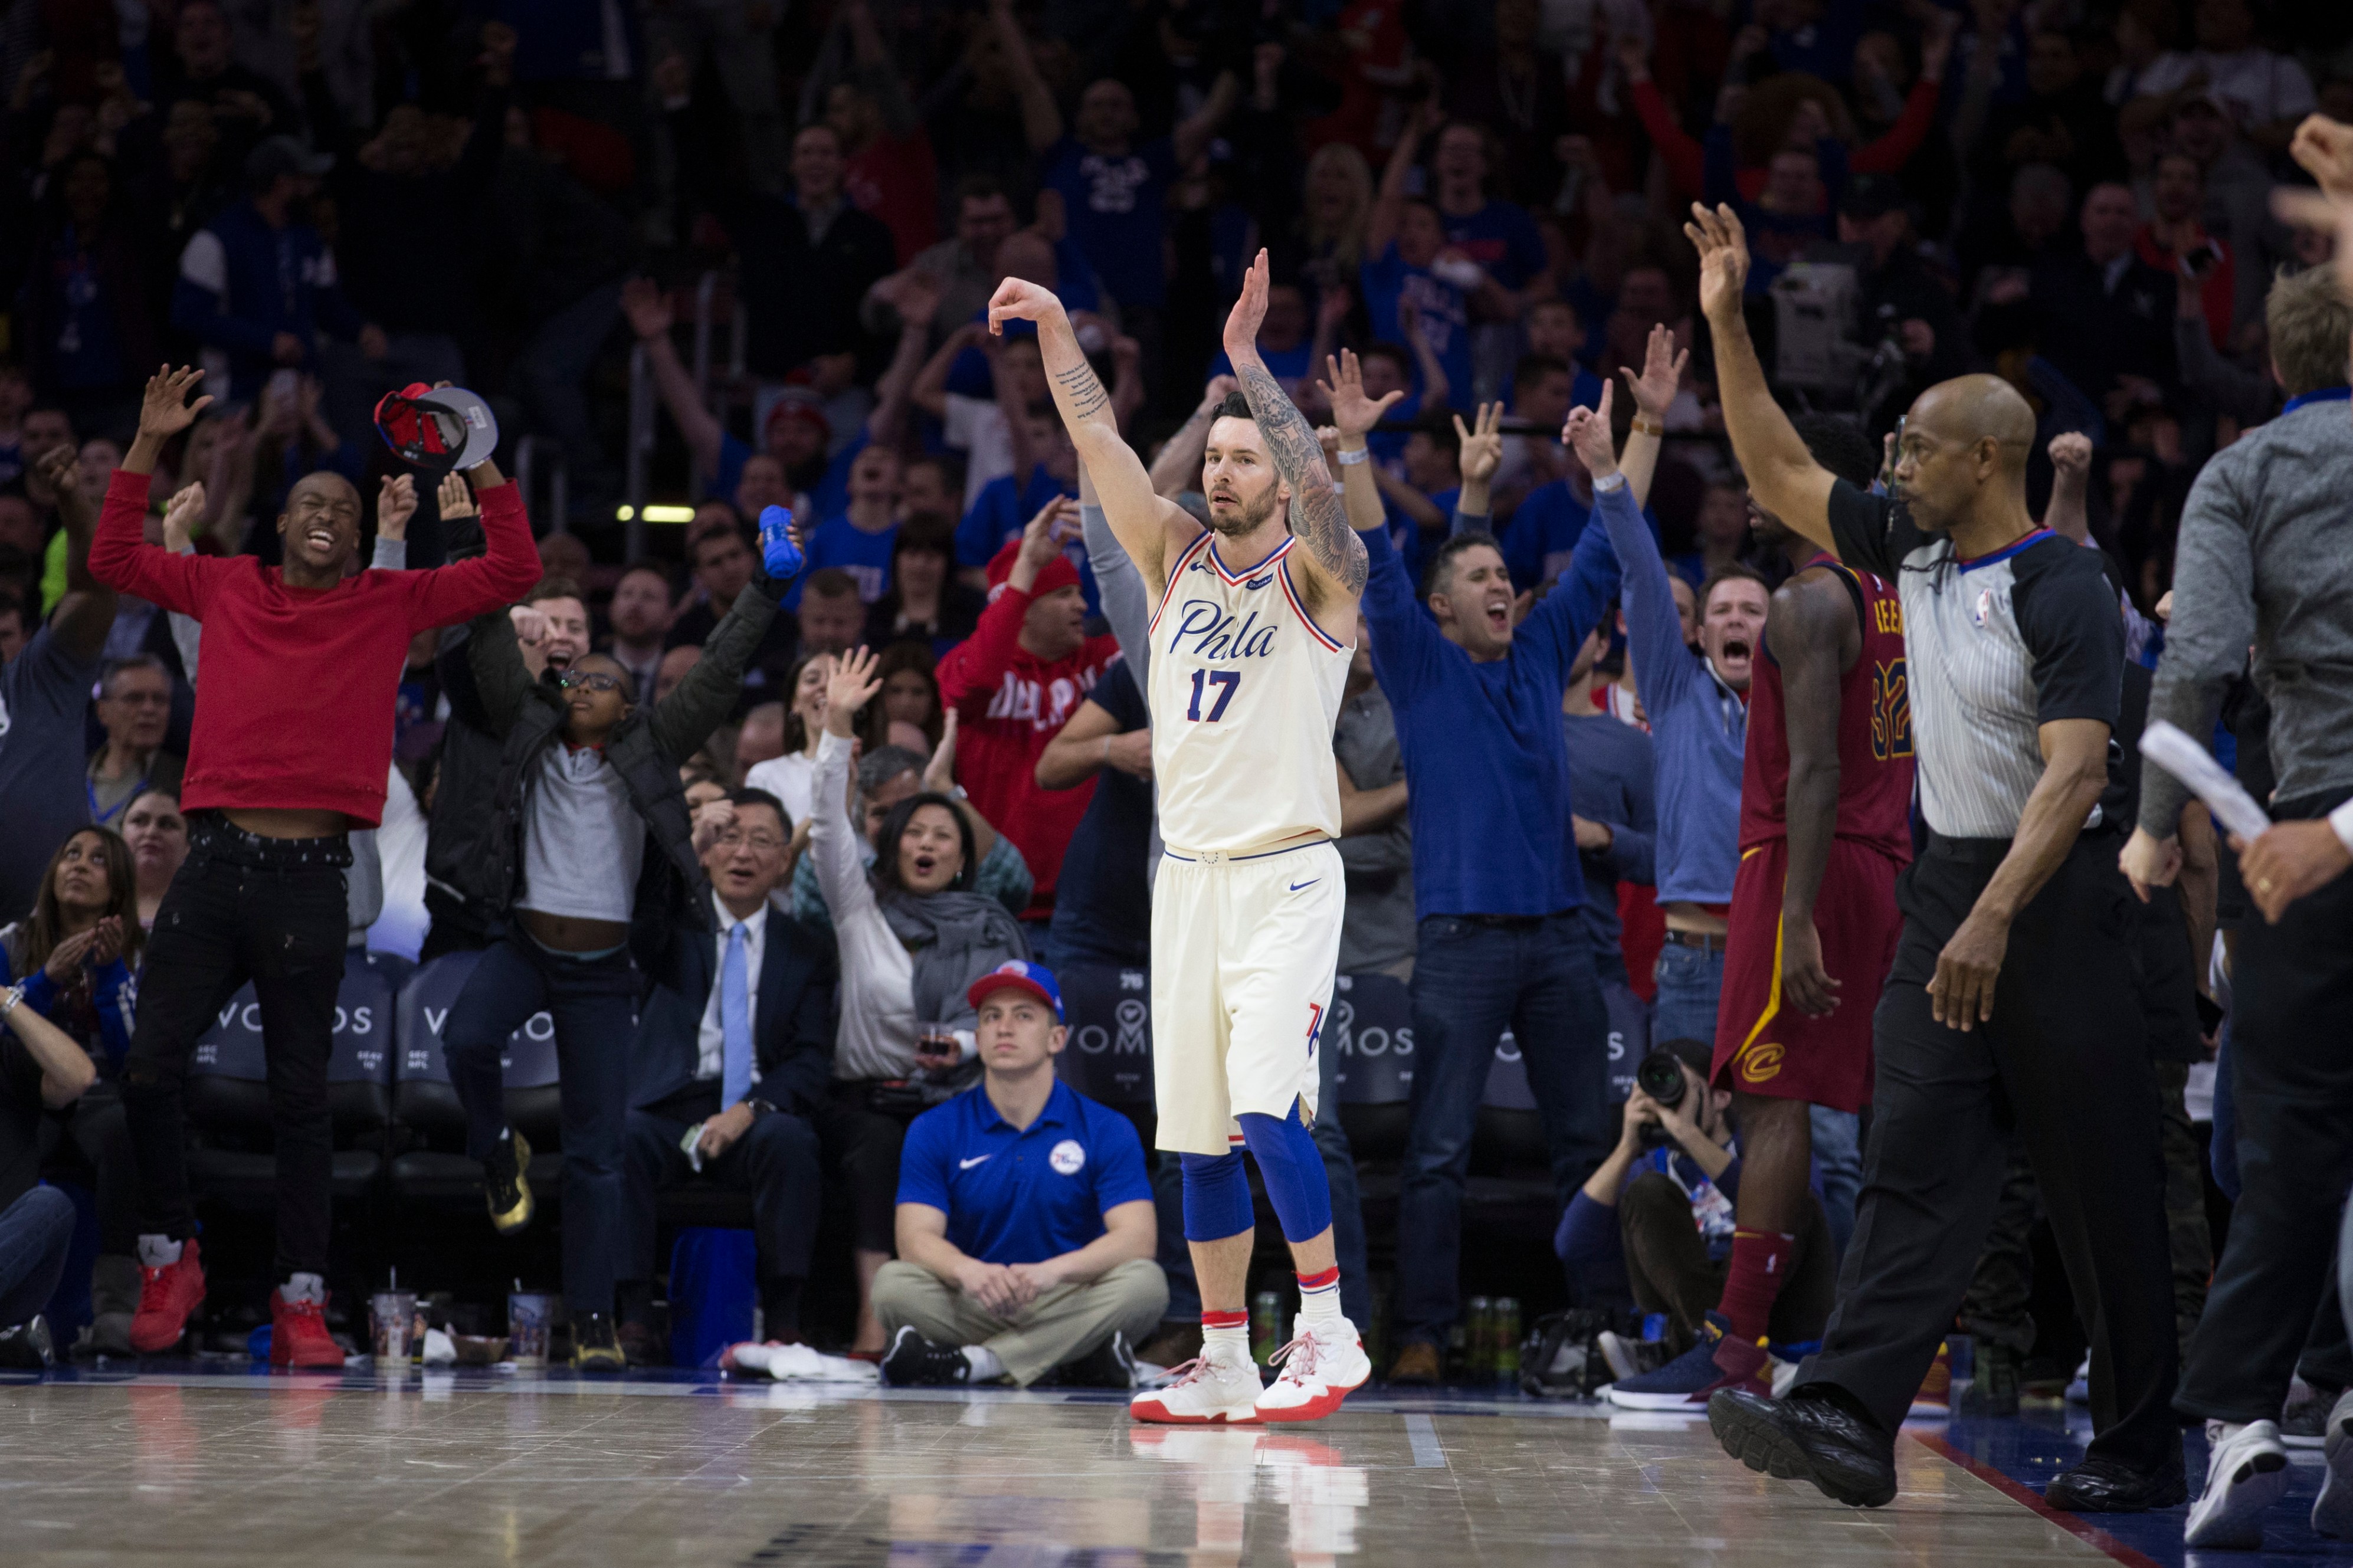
x,y
1292,1169
1216,1196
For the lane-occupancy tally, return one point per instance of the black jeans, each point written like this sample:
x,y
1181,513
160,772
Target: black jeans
x,y
862,1144
2292,1055
271,910
1471,980
2063,1062
776,1161
1669,1269
592,1001
92,1144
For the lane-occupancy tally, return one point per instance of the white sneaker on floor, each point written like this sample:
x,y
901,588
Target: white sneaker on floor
x,y
1201,1391
1321,1367
2246,1474
2332,1511
2079,1390
1618,1351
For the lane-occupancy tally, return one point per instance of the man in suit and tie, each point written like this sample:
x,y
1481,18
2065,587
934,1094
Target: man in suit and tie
x,y
735,1046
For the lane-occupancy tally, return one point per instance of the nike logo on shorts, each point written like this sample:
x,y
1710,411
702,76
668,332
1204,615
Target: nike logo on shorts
x,y
968,1164
1309,883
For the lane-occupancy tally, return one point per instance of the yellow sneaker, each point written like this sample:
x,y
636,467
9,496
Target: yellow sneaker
x,y
506,1187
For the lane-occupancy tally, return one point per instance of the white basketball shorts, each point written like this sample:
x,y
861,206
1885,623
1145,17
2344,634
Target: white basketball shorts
x,y
1244,949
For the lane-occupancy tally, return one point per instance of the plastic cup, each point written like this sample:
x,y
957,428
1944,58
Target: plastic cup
x,y
529,1314
393,1314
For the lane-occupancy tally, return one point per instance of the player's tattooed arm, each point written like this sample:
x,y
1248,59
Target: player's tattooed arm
x,y
1318,515
1082,394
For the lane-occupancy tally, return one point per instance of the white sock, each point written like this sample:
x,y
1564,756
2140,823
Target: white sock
x,y
304,1287
158,1251
986,1367
1229,1346
1320,1308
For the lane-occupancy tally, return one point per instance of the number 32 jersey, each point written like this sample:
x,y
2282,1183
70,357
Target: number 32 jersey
x,y
1244,690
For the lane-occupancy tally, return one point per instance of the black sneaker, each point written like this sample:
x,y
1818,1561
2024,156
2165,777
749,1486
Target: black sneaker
x,y
25,1346
504,1186
1991,1392
1809,1438
914,1362
2109,1486
1109,1364
594,1347
2304,1422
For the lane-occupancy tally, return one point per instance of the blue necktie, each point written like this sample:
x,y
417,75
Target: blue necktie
x,y
735,1022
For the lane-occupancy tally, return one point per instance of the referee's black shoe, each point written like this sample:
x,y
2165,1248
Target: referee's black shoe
x,y
2107,1486
1807,1437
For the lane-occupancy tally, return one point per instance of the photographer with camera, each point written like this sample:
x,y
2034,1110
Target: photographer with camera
x,y
1670,1185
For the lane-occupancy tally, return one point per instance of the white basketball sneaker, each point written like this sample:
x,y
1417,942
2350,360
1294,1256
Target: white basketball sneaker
x,y
1321,1367
2332,1511
2246,1474
1204,1391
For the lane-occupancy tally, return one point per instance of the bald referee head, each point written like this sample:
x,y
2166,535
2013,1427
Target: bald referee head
x,y
1963,451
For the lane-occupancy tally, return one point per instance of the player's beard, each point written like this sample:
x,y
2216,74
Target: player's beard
x,y
1250,517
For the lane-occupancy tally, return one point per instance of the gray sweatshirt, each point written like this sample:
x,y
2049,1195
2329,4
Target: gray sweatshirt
x,y
2267,557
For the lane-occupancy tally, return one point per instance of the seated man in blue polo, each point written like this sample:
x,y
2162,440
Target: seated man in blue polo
x,y
1025,1231
735,1049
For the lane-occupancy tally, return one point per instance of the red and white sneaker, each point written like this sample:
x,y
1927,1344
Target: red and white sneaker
x,y
1320,1369
1205,1391
166,1296
298,1334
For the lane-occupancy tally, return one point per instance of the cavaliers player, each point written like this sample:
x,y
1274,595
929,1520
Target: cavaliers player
x,y
1245,683
1825,823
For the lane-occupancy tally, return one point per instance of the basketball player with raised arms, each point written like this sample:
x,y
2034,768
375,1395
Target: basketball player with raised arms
x,y
1245,682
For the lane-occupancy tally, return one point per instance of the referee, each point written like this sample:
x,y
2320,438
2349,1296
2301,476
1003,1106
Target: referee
x,y
2010,1004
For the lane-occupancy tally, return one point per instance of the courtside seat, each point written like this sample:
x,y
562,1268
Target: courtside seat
x,y
1370,1033
429,1124
231,1154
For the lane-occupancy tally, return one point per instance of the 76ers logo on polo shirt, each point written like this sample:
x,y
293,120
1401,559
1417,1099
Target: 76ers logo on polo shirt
x,y
1067,1158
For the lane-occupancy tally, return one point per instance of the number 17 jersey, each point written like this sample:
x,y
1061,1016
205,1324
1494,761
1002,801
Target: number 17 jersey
x,y
1245,690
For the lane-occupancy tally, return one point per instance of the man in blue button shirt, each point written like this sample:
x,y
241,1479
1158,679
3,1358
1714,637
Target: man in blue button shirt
x,y
1026,1229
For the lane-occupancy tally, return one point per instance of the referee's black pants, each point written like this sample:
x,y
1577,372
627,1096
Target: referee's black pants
x,y
2062,1063
2292,1065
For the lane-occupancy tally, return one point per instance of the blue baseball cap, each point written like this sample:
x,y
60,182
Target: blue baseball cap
x,y
1018,974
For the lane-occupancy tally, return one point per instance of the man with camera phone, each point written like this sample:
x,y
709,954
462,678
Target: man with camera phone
x,y
1661,1205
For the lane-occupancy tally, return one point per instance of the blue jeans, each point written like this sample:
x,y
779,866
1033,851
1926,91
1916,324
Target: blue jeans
x,y
1838,1155
1690,984
1471,980
591,1001
1347,1214
35,1232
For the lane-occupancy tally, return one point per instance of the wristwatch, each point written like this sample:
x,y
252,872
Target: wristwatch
x,y
9,998
760,1108
1647,426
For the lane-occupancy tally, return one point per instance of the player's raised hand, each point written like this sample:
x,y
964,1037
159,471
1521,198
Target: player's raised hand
x,y
1250,310
1663,373
1354,411
1482,444
1018,300
1722,260
1587,435
395,503
166,410
853,686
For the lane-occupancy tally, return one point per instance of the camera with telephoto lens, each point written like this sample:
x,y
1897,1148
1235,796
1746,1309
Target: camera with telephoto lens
x,y
1660,1075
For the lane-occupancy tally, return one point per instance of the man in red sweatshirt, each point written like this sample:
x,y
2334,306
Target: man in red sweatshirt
x,y
290,749
1016,682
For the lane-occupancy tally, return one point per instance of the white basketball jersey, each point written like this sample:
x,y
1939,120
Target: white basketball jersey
x,y
1245,690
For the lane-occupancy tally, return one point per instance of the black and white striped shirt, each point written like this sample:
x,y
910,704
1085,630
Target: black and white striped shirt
x,y
1994,647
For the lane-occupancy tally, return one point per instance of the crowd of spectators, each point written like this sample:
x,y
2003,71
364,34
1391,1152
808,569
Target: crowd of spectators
x,y
778,228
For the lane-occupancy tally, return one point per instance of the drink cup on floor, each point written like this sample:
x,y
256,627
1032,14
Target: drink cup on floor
x,y
529,1314
393,1314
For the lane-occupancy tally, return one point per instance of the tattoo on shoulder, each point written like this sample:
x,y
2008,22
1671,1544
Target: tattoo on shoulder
x,y
1084,389
1319,517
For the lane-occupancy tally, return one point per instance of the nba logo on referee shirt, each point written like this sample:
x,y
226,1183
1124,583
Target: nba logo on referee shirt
x,y
1984,608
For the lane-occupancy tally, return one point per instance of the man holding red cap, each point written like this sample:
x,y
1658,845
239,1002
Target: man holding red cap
x,y
1016,682
1026,1230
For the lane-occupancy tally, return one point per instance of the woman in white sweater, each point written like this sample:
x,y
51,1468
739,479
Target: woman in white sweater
x,y
912,935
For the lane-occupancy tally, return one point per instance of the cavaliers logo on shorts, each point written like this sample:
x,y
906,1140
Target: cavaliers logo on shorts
x,y
1759,1062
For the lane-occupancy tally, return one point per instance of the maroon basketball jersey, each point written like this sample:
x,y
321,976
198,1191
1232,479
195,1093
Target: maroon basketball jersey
x,y
1874,737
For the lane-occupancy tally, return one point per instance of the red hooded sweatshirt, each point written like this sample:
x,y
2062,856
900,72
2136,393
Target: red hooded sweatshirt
x,y
1009,704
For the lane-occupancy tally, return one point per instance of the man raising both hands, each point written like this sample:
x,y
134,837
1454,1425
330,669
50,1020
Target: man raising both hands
x,y
1244,688
292,747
